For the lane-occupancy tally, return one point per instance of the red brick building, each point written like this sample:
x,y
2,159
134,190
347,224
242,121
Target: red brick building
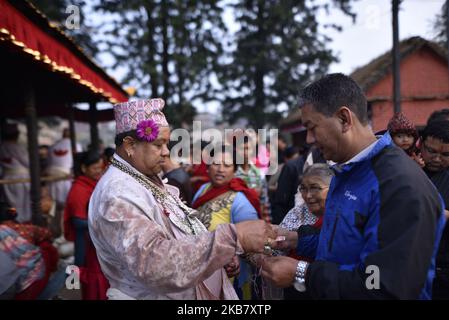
x,y
424,82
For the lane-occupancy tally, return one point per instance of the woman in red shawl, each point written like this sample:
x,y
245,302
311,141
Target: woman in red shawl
x,y
88,169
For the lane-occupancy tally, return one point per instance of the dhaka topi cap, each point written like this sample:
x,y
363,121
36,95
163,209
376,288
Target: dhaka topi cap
x,y
129,114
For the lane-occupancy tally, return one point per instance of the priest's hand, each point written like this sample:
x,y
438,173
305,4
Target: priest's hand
x,y
255,235
279,270
233,267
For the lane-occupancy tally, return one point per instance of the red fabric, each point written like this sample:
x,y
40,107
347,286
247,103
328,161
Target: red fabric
x,y
318,223
37,38
199,171
34,234
76,204
50,257
94,283
236,184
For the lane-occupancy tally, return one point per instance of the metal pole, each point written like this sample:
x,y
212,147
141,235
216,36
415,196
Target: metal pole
x,y
94,137
72,131
33,153
396,58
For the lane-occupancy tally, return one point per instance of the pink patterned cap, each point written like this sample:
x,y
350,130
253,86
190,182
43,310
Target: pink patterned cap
x,y
129,114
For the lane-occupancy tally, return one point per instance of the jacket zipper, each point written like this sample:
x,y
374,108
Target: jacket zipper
x,y
331,240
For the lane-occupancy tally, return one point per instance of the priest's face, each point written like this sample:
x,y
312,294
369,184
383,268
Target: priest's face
x,y
148,157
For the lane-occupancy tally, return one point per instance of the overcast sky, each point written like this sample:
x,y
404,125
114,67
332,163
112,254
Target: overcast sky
x,y
367,38
372,36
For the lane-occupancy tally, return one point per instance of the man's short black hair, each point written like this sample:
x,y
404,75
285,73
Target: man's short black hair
x,y
437,129
442,114
333,91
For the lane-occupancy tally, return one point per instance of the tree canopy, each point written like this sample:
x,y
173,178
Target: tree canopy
x,y
182,51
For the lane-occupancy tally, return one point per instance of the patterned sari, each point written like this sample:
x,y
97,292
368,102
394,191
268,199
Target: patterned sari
x,y
229,207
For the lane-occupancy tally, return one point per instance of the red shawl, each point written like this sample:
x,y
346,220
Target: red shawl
x,y
199,171
94,283
50,257
236,184
76,204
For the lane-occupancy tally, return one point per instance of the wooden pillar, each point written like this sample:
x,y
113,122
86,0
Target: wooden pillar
x,y
396,57
94,136
33,152
72,130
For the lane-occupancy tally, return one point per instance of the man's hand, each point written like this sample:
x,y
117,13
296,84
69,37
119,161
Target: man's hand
x,y
254,235
233,267
279,270
290,242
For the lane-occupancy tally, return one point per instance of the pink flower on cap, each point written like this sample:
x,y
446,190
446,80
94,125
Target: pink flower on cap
x,y
147,130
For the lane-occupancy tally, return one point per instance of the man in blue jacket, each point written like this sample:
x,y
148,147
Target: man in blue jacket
x,y
383,217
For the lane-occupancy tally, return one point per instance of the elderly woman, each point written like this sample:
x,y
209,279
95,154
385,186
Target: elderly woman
x,y
227,199
302,224
149,243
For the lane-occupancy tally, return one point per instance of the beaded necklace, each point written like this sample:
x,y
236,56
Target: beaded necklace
x,y
165,198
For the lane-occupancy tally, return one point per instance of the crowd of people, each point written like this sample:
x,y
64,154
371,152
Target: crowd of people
x,y
63,239
145,226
